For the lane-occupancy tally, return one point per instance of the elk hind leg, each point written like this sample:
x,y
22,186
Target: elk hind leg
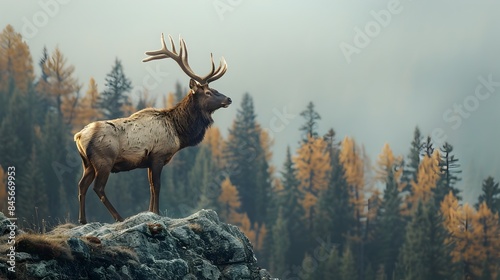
x,y
87,178
99,184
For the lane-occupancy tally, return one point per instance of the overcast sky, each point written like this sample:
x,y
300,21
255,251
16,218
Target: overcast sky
x,y
374,69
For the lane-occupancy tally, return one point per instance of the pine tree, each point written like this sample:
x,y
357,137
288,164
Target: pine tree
x,y
411,169
311,117
145,100
57,174
31,203
391,224
16,130
246,162
333,263
490,195
290,198
449,170
423,255
114,98
348,269
280,245
335,214
200,180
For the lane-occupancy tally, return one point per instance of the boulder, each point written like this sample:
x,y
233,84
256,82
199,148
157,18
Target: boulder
x,y
144,246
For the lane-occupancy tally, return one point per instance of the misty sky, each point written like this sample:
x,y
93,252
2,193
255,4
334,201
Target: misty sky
x,y
374,69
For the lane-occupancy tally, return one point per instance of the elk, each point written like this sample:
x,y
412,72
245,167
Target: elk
x,y
150,137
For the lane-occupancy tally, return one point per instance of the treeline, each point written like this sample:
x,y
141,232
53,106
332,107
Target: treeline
x,y
322,215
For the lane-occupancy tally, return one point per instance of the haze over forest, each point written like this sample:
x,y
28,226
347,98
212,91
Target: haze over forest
x,y
425,59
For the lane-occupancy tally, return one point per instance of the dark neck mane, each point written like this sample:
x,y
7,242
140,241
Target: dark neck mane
x,y
190,121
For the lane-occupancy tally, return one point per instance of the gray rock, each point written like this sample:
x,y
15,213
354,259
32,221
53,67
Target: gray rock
x,y
144,246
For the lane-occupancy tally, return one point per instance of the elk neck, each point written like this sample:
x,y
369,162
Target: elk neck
x,y
190,121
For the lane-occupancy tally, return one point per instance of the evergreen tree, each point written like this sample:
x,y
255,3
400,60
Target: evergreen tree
x,y
428,148
449,169
57,174
333,264
246,162
309,128
423,256
335,214
391,224
114,98
31,203
490,195
280,245
411,168
16,130
289,199
348,269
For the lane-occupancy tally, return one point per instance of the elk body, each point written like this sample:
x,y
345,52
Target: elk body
x,y
150,137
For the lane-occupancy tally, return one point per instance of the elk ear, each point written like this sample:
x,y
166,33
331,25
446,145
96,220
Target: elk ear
x,y
193,85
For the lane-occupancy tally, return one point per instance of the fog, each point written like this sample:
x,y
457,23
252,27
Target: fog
x,y
374,70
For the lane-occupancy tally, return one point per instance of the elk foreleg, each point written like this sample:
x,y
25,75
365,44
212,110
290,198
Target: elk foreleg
x,y
83,185
154,176
99,184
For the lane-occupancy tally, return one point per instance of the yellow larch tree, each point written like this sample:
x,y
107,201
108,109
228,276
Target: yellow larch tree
x,y
59,86
460,222
266,142
170,101
486,233
351,159
16,64
313,169
229,202
427,177
213,138
87,110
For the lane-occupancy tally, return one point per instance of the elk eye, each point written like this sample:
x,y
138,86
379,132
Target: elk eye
x,y
208,93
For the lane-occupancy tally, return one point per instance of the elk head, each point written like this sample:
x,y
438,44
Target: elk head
x,y
206,98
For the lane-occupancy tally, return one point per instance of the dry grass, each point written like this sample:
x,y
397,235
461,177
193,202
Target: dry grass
x,y
45,246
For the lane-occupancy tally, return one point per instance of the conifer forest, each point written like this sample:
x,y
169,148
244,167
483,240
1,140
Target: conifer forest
x,y
327,211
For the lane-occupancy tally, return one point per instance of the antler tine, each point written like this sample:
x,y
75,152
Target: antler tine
x,y
182,59
221,70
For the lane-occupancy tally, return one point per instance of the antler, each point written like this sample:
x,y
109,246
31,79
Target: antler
x,y
182,59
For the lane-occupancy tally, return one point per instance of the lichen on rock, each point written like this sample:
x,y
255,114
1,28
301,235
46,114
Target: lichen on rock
x,y
144,246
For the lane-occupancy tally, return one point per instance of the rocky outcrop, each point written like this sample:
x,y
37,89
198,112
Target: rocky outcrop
x,y
145,246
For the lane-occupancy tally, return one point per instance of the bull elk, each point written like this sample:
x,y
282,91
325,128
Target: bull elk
x,y
150,137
